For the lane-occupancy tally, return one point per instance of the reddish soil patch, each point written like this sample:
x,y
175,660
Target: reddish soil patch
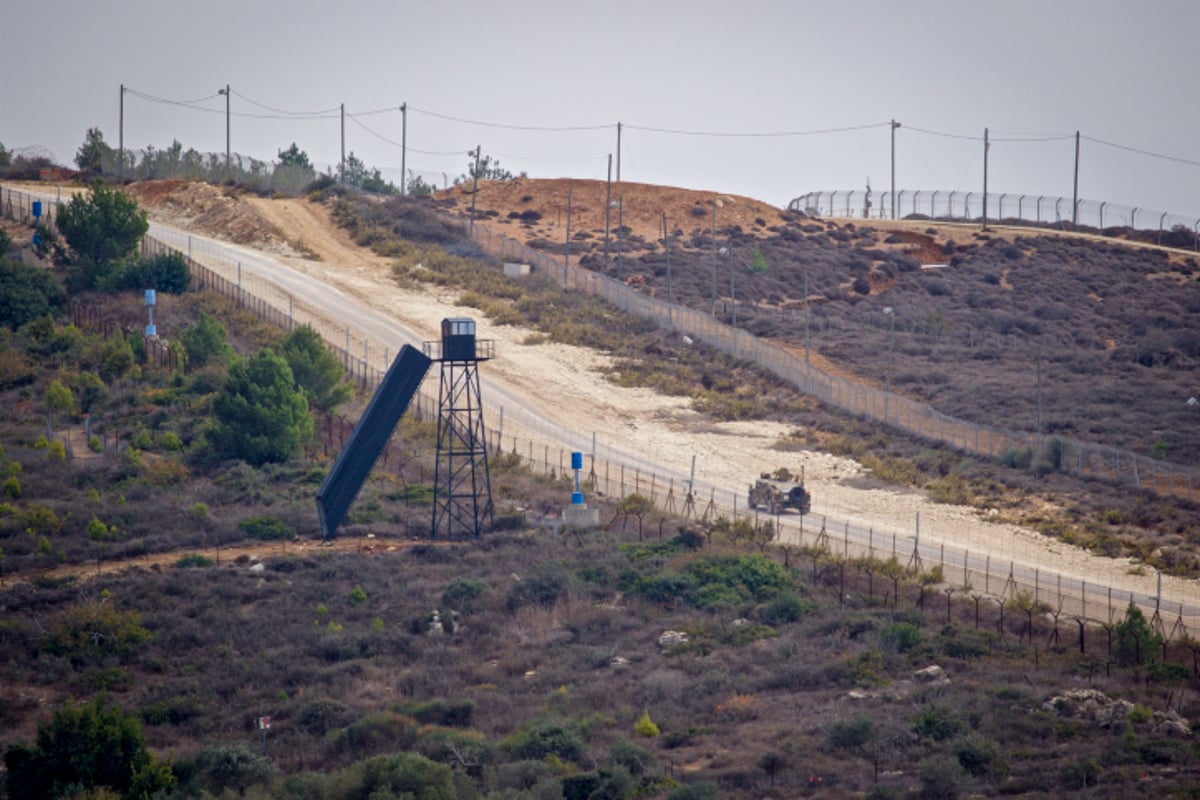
x,y
538,209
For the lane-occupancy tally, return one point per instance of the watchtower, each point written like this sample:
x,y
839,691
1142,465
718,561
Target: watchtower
x,y
462,487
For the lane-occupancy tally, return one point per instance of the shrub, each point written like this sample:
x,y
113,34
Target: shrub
x,y
267,528
234,767
942,778
544,739
12,488
464,594
27,293
193,560
645,726
205,341
94,747
166,272
94,630
453,714
406,775
937,722
357,596
851,734
900,636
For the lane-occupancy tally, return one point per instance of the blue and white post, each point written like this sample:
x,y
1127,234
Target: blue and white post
x,y
578,515
151,330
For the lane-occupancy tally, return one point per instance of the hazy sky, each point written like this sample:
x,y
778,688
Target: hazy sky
x,y
1123,72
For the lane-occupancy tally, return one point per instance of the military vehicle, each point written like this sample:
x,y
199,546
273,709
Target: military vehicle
x,y
774,495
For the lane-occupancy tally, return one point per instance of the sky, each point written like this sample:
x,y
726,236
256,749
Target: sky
x,y
768,99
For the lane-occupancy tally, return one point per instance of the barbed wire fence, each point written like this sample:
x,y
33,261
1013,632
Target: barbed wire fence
x,y
545,447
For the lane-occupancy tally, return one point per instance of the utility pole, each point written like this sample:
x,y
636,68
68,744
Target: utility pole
x,y
714,257
121,138
225,91
474,189
567,252
894,126
986,147
670,294
620,230
607,208
403,148
1075,196
342,164
618,152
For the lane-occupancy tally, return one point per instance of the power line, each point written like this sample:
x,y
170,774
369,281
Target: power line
x,y
165,101
815,132
1143,152
549,129
284,111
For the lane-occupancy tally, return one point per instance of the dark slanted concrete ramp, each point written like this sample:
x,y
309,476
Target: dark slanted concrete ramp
x,y
369,437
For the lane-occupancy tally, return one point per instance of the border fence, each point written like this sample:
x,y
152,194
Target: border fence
x,y
1007,208
546,447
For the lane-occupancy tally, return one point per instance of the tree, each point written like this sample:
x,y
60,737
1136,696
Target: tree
x,y
26,293
205,341
315,368
1136,641
59,399
489,170
91,154
86,747
234,766
103,229
260,415
294,157
417,187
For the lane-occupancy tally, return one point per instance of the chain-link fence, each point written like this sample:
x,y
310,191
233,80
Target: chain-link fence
x,y
1111,219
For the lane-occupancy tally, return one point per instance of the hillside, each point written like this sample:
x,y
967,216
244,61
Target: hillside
x,y
1110,330
672,659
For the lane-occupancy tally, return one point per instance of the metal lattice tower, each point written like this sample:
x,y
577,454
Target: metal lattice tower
x,y
462,488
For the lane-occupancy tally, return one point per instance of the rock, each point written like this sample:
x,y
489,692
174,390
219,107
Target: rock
x,y
931,674
619,662
1170,724
670,639
259,567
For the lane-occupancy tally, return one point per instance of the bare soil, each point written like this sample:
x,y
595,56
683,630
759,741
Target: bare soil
x,y
565,385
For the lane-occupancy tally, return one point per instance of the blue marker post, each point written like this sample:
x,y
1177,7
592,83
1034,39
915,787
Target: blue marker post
x,y
577,465
151,330
578,515
37,222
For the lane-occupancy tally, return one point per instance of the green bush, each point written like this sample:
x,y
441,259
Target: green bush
x,y
91,747
900,636
167,273
267,528
464,594
544,739
205,341
193,560
937,722
850,734
452,714
27,293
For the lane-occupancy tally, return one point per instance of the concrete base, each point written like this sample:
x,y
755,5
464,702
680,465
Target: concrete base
x,y
581,516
